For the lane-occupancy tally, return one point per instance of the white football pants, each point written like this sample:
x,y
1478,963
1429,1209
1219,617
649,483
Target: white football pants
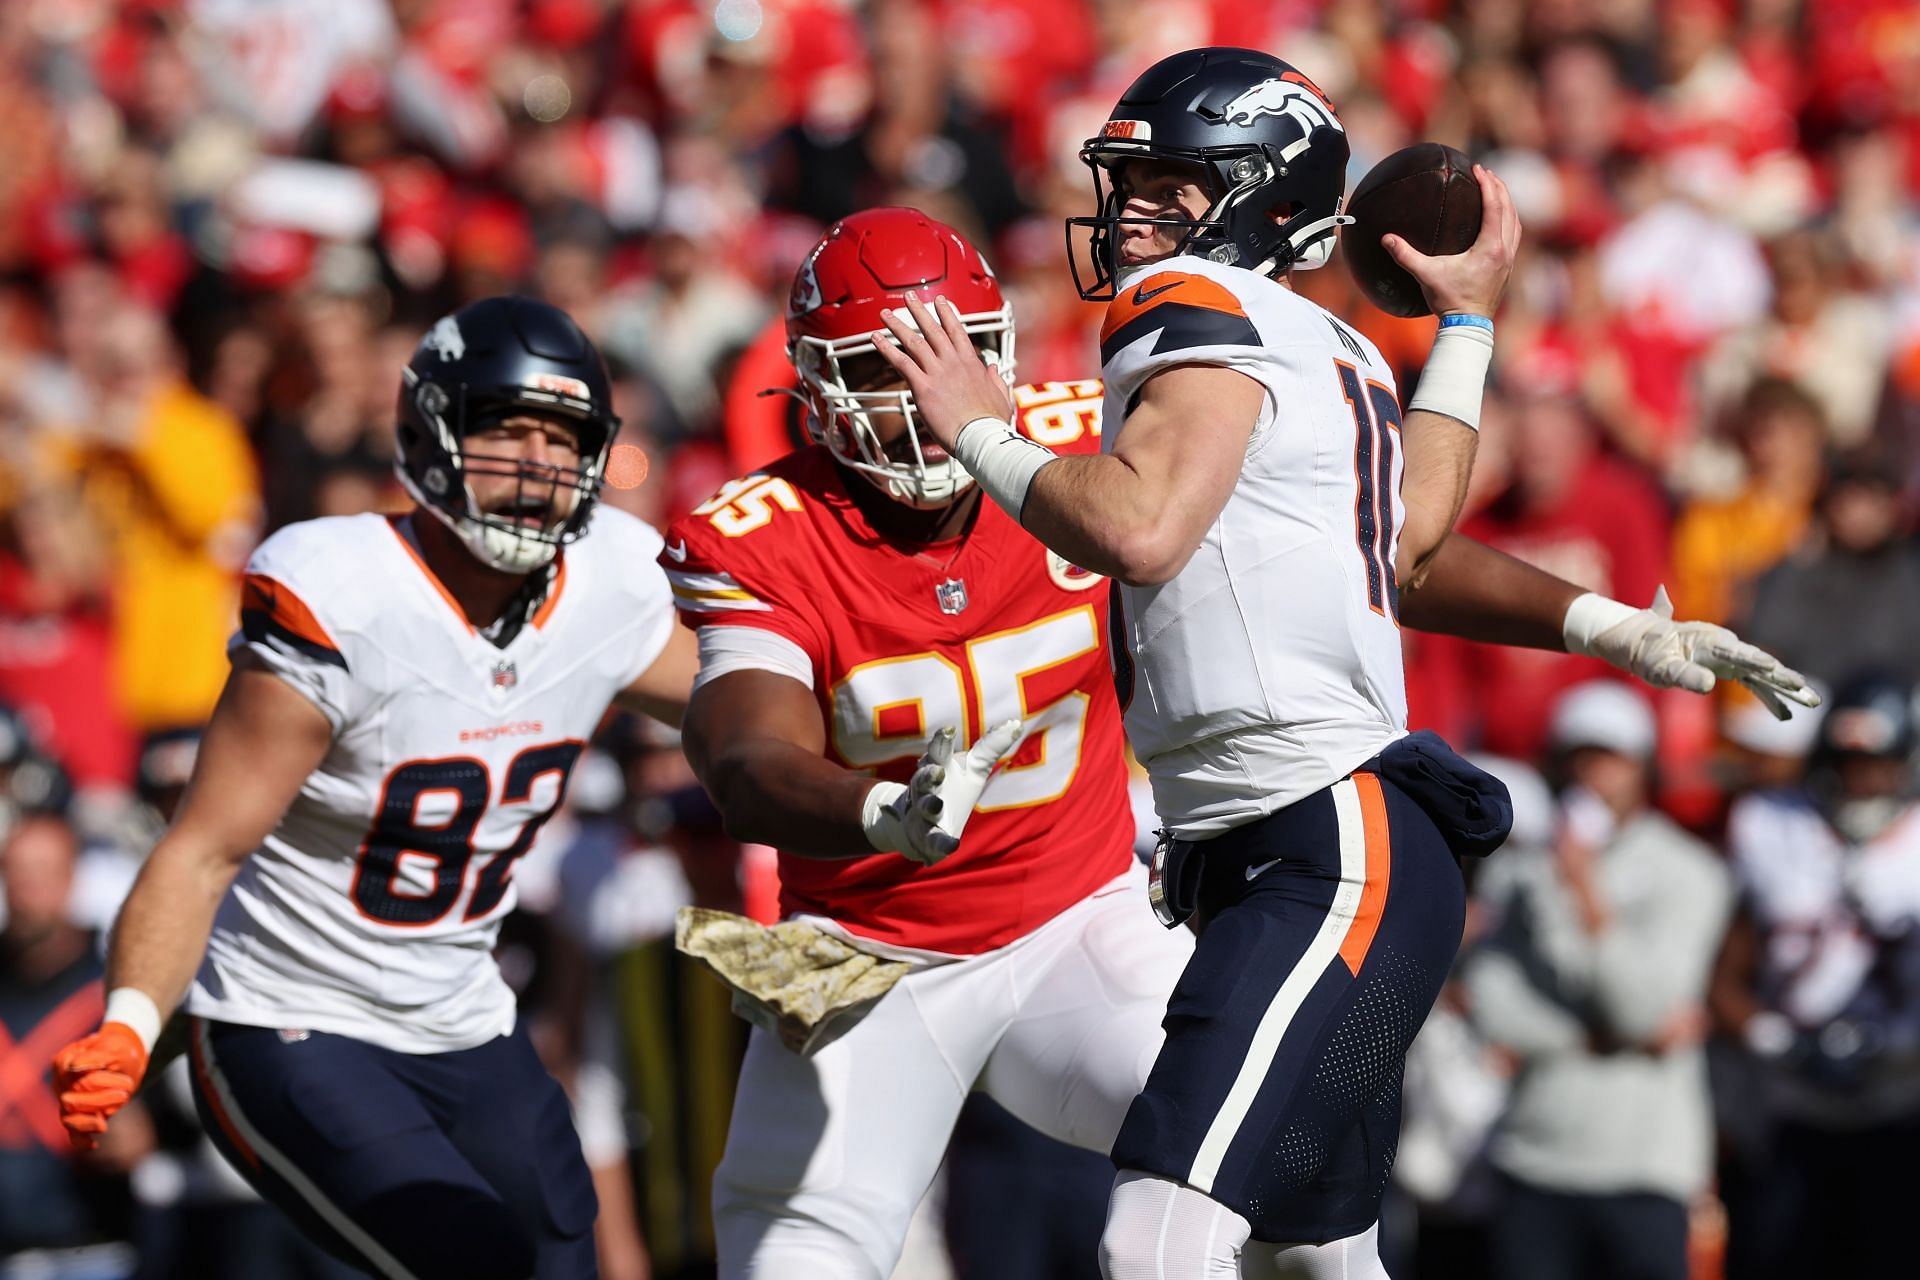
x,y
828,1156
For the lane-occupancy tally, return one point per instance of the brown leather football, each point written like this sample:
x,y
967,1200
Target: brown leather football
x,y
1425,194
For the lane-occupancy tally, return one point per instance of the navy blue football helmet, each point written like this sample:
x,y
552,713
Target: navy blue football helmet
x,y
1861,773
1273,153
487,361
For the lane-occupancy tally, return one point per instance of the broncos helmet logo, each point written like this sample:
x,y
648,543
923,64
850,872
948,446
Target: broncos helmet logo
x,y
446,339
1291,95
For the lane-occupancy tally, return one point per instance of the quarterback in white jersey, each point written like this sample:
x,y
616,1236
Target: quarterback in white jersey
x,y
409,696
1271,517
1286,613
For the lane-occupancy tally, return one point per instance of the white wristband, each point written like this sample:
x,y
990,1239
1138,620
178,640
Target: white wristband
x,y
1456,374
1587,617
1001,460
878,819
136,1010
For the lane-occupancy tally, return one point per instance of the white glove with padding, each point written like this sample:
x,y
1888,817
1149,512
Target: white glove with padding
x,y
923,819
1694,656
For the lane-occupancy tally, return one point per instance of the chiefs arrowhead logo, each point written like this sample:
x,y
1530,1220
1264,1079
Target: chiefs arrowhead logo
x,y
806,295
1069,576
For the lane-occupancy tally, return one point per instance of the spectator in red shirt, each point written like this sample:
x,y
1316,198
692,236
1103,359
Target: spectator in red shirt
x,y
56,636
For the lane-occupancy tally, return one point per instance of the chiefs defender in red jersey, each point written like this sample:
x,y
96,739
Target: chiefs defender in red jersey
x,y
885,659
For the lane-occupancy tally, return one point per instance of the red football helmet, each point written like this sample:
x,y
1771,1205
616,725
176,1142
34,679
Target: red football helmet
x,y
866,264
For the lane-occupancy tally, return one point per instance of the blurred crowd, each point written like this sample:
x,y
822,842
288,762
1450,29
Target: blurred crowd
x,y
1686,1032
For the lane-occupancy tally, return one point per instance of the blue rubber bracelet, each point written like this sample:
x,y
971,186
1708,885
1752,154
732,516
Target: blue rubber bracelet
x,y
1460,318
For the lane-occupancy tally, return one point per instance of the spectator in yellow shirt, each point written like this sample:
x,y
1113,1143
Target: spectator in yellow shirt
x,y
173,480
1722,545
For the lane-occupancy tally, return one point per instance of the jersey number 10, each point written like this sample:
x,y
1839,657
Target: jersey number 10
x,y
1376,421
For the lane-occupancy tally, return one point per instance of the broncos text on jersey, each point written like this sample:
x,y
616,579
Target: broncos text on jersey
x,y
900,644
371,909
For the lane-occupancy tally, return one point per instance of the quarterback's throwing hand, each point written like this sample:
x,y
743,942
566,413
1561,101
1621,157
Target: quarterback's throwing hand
x,y
1472,282
94,1077
951,384
1691,655
923,820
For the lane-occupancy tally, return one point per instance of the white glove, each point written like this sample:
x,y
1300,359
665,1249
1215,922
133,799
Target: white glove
x,y
923,820
1649,644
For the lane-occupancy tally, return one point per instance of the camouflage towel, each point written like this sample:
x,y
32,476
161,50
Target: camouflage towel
x,y
791,979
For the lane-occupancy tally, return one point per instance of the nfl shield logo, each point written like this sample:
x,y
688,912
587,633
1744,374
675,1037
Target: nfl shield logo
x,y
505,676
952,595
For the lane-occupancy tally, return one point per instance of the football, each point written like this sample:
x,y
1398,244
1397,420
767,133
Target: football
x,y
1426,194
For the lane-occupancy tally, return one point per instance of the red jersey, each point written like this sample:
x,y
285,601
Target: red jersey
x,y
907,639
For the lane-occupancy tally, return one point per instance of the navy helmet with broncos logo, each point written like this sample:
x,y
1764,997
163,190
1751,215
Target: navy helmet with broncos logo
x,y
1271,151
488,361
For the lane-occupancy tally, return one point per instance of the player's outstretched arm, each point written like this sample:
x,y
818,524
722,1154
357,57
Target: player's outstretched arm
x,y
1136,513
262,742
757,742
1140,511
1478,593
664,687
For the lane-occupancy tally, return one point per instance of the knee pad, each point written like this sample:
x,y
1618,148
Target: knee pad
x,y
1354,1258
1159,1228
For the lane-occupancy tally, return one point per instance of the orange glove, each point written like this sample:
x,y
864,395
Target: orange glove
x,y
95,1076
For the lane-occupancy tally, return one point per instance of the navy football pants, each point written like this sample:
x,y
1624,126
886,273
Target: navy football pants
x,y
1331,926
462,1166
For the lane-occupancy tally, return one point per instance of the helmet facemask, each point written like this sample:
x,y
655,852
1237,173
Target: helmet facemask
x,y
499,539
847,421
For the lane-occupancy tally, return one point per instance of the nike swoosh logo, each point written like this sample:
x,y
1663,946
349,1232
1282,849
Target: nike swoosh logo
x,y
1143,295
1254,873
677,552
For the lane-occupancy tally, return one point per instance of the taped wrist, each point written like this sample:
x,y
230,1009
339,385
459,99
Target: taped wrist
x,y
879,820
1588,618
1001,461
135,1010
1456,372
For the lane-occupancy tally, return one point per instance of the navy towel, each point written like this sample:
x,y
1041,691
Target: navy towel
x,y
1469,805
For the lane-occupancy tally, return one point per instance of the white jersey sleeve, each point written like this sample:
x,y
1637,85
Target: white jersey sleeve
x,y
281,627
1270,666
724,650
643,596
1175,315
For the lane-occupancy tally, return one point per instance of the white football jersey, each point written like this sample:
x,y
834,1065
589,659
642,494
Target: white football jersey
x,y
1270,666
371,909
1823,906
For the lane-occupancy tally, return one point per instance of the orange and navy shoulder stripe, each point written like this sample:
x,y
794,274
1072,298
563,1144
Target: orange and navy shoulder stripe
x,y
269,610
1181,310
